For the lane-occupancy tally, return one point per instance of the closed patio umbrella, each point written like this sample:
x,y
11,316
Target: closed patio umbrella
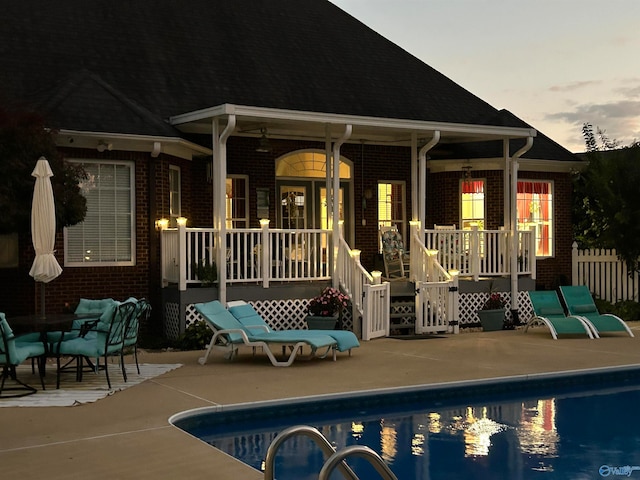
x,y
43,228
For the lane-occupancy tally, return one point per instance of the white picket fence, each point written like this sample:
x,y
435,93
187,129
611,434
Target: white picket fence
x,y
605,275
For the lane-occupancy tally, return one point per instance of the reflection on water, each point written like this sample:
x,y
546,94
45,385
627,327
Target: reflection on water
x,y
529,437
537,433
388,441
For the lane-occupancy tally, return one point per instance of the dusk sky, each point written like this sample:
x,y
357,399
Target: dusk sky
x,y
554,63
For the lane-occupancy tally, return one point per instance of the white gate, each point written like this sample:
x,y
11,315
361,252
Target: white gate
x,y
436,307
375,313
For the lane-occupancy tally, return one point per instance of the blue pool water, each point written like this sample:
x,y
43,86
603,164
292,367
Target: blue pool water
x,y
574,426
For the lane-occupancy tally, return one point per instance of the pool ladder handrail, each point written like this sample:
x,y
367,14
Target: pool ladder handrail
x,y
336,459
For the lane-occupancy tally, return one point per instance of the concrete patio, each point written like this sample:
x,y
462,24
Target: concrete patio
x,y
127,435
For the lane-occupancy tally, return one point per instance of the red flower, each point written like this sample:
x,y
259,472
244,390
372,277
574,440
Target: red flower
x,y
328,303
495,302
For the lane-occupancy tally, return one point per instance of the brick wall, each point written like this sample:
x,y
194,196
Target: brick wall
x,y
443,207
371,163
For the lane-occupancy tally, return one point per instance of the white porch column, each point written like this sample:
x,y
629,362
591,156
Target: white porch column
x,y
422,190
514,223
219,173
415,188
506,185
335,199
514,235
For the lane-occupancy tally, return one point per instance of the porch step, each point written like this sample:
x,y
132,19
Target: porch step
x,y
402,315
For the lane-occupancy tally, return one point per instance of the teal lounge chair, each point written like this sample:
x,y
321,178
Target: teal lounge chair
x,y
548,310
246,314
229,334
13,351
580,303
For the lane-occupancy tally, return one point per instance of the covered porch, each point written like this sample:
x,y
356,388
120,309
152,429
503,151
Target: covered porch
x,y
269,254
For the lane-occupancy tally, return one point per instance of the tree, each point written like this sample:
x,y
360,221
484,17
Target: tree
x,y
606,199
24,138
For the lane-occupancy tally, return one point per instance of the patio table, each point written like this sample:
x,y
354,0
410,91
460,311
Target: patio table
x,y
43,324
47,323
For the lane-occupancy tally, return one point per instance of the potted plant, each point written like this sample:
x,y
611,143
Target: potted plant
x,y
492,313
324,310
206,271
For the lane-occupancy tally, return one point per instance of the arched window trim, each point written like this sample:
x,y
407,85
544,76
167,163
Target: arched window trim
x,y
317,163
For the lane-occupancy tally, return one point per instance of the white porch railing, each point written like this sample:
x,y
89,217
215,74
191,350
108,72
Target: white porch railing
x,y
252,255
262,255
369,301
604,274
477,253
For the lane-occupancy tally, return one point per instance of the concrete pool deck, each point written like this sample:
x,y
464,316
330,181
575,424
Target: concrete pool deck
x,y
127,435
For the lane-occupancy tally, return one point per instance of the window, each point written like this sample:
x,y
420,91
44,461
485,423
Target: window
x,y
237,201
292,206
391,198
535,208
107,234
175,197
472,204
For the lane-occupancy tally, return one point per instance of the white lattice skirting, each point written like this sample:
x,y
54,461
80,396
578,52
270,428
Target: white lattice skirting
x,y
279,314
290,314
470,303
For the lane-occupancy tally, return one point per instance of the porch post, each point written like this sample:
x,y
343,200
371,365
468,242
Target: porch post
x,y
265,257
422,190
219,172
514,240
335,198
506,184
415,192
514,226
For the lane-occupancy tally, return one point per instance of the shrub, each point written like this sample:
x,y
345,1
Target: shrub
x,y
627,310
196,337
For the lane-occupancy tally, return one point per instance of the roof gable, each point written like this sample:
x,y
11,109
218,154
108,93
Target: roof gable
x,y
85,102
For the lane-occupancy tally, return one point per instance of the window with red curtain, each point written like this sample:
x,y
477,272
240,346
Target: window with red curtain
x,y
535,208
472,203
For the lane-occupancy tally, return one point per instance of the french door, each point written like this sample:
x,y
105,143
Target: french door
x,y
303,204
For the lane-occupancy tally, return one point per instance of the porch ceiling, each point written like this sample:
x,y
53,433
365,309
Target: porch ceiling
x,y
293,124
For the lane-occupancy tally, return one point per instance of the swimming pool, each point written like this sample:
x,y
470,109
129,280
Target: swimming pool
x,y
565,425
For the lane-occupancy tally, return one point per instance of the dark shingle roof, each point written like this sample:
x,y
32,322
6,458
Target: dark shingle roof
x,y
174,57
146,58
543,147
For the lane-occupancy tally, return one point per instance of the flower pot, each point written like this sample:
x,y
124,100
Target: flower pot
x,y
322,323
491,320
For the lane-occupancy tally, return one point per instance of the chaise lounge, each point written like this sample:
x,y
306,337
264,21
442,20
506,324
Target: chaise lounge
x,y
548,310
247,315
580,304
230,333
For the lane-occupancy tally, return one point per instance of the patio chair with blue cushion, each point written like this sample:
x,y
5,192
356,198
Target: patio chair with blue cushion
x,y
13,351
580,303
107,341
548,310
132,328
229,334
247,315
87,306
